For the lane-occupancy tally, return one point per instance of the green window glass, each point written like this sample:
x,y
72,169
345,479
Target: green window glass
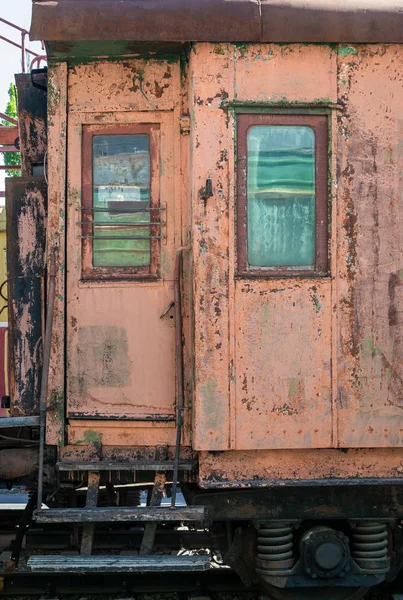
x,y
121,197
281,196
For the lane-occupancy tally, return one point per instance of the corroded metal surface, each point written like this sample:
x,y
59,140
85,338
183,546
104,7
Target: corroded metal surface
x,y
370,265
306,363
313,362
269,467
26,212
218,20
32,117
18,462
57,125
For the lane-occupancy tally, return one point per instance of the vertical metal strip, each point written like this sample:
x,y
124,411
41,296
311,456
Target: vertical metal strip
x,y
45,370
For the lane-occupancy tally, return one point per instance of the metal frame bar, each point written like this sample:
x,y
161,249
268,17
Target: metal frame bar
x,y
180,391
22,46
45,370
9,119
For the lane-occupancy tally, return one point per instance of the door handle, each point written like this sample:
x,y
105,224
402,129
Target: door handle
x,y
170,306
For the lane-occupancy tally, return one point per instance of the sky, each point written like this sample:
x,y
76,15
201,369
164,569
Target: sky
x,y
18,12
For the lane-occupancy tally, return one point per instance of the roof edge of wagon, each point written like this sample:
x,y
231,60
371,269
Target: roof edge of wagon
x,y
315,21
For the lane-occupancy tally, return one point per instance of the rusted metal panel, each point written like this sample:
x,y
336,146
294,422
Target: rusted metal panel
x,y
370,367
111,433
327,21
289,73
328,500
147,20
271,467
57,132
92,452
212,76
18,462
127,85
218,20
26,212
283,364
32,117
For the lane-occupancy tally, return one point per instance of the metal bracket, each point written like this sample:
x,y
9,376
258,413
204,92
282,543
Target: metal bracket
x,y
235,556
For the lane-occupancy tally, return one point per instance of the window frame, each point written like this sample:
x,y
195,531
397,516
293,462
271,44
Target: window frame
x,y
89,271
319,123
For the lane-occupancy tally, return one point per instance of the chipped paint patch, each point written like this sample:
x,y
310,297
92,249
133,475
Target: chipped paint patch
x,y
346,50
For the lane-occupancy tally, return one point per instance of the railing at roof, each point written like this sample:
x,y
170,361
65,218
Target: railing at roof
x,y
9,134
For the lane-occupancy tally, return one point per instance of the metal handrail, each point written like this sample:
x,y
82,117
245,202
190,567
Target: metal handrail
x,y
22,46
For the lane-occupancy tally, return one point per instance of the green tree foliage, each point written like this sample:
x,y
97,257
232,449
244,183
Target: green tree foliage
x,y
11,158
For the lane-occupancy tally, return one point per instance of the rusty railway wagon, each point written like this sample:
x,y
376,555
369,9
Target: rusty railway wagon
x,y
205,255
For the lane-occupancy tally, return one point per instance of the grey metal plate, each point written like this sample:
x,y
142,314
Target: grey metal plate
x,y
126,564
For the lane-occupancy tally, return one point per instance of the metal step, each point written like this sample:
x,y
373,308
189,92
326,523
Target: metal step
x,y
123,564
9,422
139,465
157,514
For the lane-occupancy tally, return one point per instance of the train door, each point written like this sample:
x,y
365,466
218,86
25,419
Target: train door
x,y
122,233
282,290
263,279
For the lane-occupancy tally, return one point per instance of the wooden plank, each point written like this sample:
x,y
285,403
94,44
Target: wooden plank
x,y
129,564
91,502
112,514
143,465
157,494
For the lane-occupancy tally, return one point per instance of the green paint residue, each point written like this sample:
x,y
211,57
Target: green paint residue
x,y
318,306
209,393
368,349
293,385
347,50
93,436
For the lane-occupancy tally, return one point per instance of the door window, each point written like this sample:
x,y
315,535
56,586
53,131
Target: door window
x,y
121,221
282,194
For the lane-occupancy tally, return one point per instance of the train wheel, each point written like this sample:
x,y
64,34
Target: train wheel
x,y
317,593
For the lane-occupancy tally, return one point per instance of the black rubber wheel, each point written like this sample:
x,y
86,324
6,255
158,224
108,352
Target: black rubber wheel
x,y
324,593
